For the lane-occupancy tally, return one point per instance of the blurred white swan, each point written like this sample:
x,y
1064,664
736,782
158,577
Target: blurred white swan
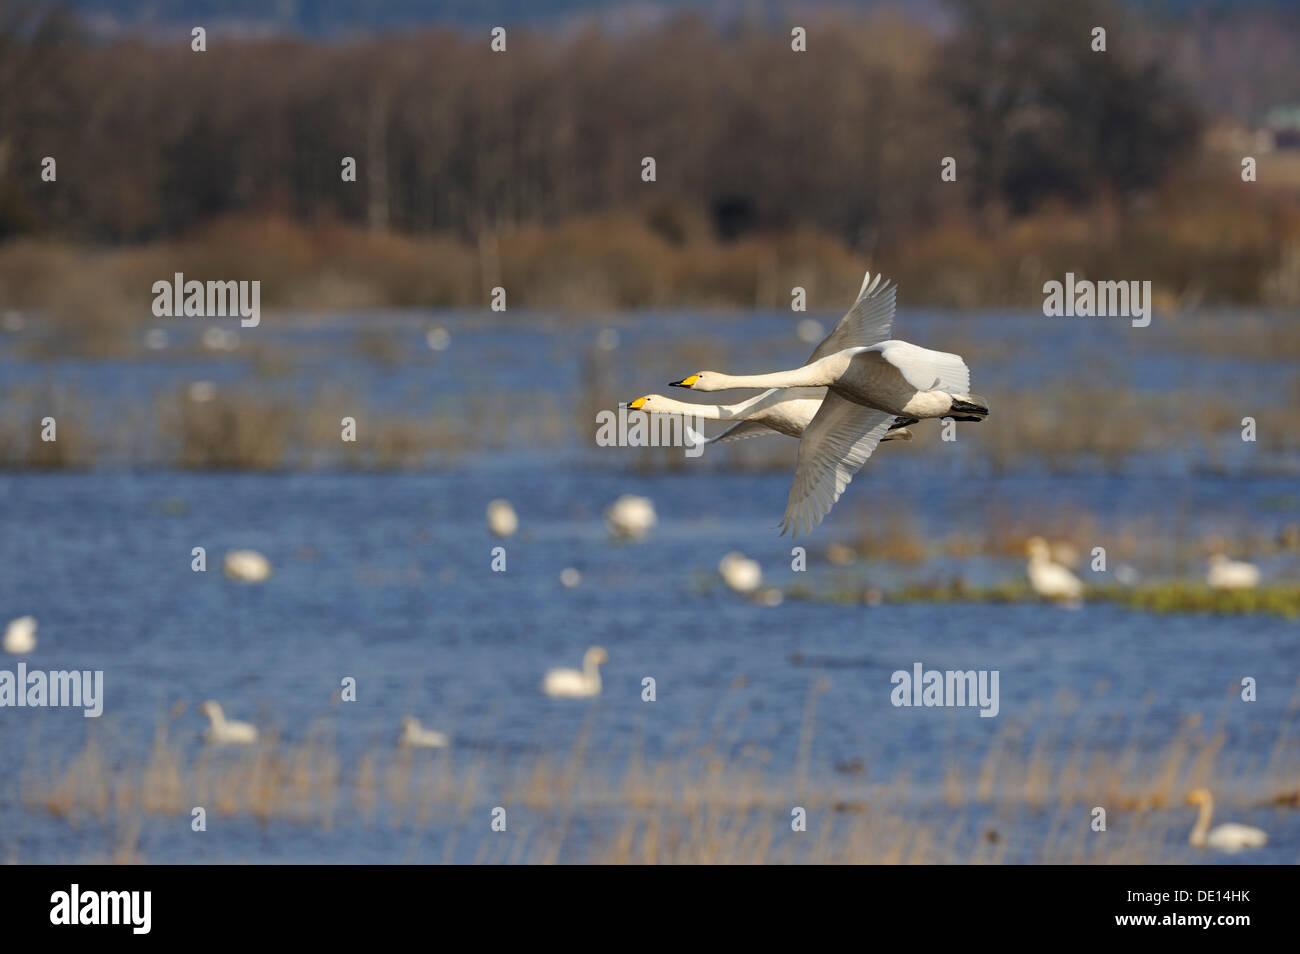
x,y
740,573
1048,579
1226,574
20,636
870,382
577,683
1230,837
247,565
630,517
502,519
222,731
416,736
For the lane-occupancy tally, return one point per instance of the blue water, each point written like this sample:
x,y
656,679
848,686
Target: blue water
x,y
386,578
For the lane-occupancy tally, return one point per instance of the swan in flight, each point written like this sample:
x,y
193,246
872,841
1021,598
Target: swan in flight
x,y
790,410
1226,574
1048,578
222,731
416,736
1230,837
630,517
870,382
577,683
20,636
772,412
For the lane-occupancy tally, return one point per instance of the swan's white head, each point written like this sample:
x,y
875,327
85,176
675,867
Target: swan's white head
x,y
702,381
1037,549
1199,796
646,403
595,656
211,709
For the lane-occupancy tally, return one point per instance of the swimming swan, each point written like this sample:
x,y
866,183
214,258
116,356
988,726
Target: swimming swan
x,y
870,382
630,517
740,573
1049,579
1226,574
502,519
1230,837
224,732
247,565
575,683
20,636
416,736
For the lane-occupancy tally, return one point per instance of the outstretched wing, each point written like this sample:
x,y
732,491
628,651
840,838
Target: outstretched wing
x,y
924,369
866,323
834,447
738,432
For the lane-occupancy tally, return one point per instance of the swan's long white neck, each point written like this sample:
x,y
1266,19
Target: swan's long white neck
x,y
1202,825
710,412
591,670
809,376
741,410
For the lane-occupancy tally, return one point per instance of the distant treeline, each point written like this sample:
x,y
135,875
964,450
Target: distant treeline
x,y
151,139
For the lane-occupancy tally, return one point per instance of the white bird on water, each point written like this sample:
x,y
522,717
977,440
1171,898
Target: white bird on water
x,y
630,517
416,736
247,565
222,731
870,382
577,683
20,636
1230,837
1226,574
502,519
740,573
1049,579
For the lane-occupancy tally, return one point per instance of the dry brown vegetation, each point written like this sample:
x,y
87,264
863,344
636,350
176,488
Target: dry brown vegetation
x,y
1030,794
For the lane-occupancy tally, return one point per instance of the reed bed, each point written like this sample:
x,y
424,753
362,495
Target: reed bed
x,y
1028,797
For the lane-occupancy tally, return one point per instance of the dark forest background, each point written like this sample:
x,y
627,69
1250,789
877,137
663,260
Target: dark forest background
x,y
774,168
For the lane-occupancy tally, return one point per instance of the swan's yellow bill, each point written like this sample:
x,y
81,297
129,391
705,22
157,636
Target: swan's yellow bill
x,y
637,404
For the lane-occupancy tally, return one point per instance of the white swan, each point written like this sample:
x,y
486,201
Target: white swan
x,y
777,411
416,736
870,382
740,573
222,731
1230,837
20,636
247,565
630,517
1050,580
577,683
502,519
790,410
1225,574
